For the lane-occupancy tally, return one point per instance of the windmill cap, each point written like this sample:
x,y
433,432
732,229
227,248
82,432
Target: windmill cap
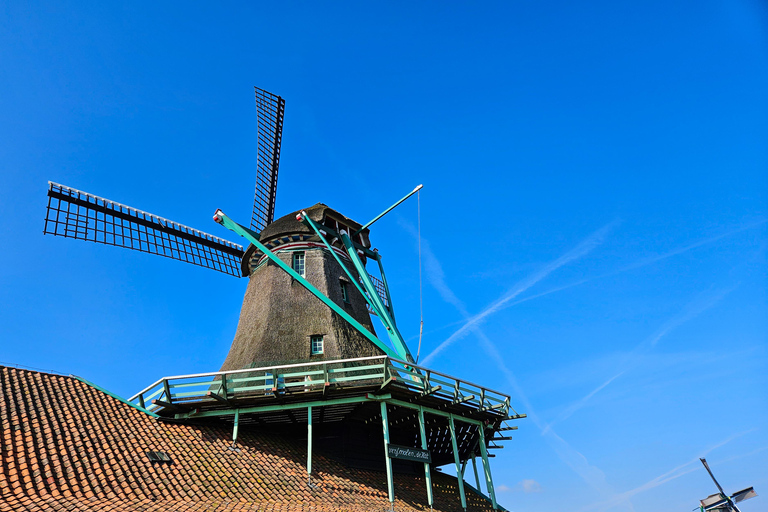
x,y
289,225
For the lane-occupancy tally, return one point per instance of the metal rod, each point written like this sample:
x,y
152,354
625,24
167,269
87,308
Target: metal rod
x,y
387,461
427,471
389,209
487,469
474,469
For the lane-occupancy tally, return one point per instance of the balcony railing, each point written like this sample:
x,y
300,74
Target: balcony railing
x,y
322,376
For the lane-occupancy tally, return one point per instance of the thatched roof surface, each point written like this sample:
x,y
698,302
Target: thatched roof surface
x,y
287,224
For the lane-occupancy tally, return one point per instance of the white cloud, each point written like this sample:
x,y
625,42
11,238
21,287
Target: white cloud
x,y
529,486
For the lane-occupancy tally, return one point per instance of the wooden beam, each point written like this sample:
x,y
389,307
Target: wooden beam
x,y
211,394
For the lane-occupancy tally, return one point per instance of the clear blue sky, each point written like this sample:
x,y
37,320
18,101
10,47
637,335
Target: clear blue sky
x,y
594,207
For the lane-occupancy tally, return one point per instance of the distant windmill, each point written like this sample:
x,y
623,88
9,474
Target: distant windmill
x,y
721,502
316,250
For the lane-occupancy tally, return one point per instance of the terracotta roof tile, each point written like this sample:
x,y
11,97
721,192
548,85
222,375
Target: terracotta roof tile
x,y
67,446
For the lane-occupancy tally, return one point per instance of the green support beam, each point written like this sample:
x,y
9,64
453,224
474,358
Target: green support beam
x,y
236,427
390,208
427,469
487,469
316,228
386,287
309,441
459,472
474,469
394,335
249,235
387,461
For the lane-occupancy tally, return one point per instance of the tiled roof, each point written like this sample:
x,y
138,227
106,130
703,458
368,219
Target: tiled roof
x,y
68,446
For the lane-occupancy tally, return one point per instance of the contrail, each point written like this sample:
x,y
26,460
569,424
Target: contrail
x,y
583,248
693,309
632,266
591,475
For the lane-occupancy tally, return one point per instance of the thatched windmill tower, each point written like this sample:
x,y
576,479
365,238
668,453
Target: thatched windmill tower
x,y
270,330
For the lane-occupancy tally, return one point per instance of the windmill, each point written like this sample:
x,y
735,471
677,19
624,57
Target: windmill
x,y
314,253
721,502
305,354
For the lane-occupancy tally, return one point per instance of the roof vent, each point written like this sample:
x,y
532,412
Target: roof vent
x,y
159,457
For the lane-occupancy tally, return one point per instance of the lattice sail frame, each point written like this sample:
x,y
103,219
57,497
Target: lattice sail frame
x,y
76,214
270,110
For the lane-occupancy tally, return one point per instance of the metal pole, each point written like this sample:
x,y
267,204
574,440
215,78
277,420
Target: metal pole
x,y
459,475
474,468
389,209
237,424
487,468
427,472
309,441
388,463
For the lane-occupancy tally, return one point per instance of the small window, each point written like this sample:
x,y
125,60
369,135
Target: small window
x,y
160,457
344,294
298,263
316,345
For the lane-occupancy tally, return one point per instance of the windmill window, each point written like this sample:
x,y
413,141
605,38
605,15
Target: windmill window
x,y
316,345
344,294
298,263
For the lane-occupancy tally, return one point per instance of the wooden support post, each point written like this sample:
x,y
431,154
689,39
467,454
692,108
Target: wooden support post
x,y
388,462
427,469
474,468
224,390
235,428
309,441
459,475
487,469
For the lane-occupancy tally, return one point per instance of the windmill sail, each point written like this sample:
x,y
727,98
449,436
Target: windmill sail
x,y
72,213
270,110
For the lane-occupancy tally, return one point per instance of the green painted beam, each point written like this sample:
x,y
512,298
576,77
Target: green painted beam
x,y
394,335
246,233
427,470
474,469
459,472
236,427
390,208
435,412
373,295
487,469
309,440
386,287
387,461
274,408
309,222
